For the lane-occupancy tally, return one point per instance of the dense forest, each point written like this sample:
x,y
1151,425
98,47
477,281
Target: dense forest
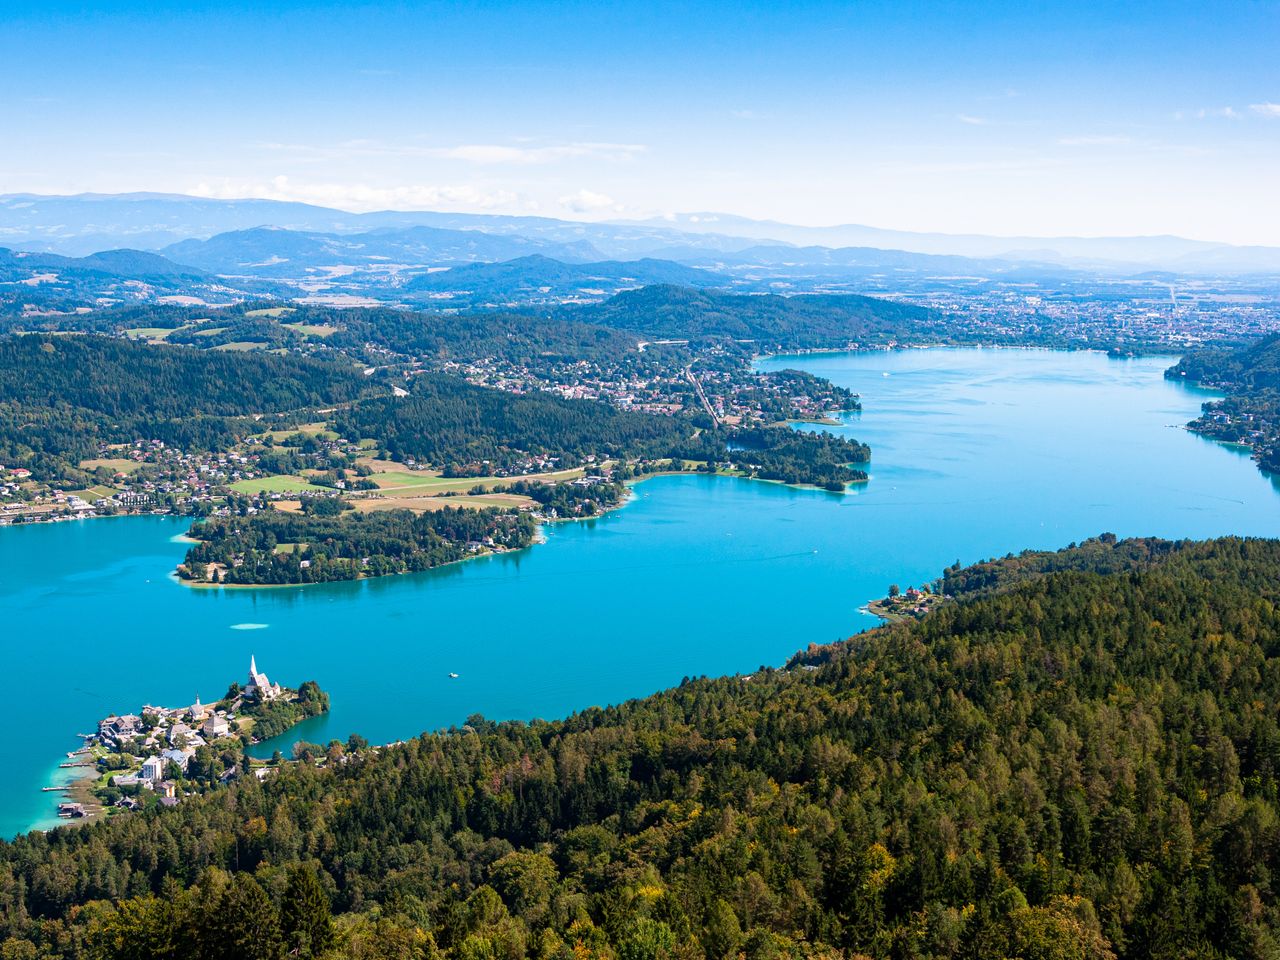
x,y
447,421
51,284
1253,366
804,321
568,500
515,337
816,458
372,333
1104,554
273,717
272,546
1075,765
1250,414
62,397
540,279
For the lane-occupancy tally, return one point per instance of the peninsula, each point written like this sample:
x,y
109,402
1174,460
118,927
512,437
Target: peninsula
x,y
162,754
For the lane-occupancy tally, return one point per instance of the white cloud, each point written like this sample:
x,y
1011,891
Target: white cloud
x,y
362,197
587,201
972,120
1208,113
1271,110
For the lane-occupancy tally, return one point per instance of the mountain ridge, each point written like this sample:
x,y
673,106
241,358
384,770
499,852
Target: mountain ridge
x,y
62,223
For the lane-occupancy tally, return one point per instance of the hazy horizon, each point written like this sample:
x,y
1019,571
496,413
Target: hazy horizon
x,y
672,220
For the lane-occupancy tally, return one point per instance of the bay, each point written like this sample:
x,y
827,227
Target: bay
x,y
975,453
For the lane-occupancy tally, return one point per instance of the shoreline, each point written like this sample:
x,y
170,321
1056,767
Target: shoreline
x,y
208,584
539,537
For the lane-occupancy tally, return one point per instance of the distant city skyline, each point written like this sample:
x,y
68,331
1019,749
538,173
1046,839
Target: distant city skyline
x,y
999,118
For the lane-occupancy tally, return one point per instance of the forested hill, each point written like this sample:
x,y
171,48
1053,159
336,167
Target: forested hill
x,y
122,378
124,264
672,312
536,278
63,396
1103,554
1082,766
1255,366
1250,414
452,423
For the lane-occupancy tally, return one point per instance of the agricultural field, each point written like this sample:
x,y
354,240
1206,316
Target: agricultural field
x,y
426,502
429,481
275,484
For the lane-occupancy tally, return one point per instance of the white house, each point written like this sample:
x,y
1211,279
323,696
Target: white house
x,y
152,769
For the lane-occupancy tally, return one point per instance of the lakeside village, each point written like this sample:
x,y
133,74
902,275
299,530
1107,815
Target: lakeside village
x,y
911,603
162,754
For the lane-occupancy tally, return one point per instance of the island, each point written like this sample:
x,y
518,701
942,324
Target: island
x,y
161,754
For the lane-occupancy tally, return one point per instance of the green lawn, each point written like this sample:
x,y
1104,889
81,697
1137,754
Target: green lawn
x,y
117,464
149,333
94,493
428,480
277,484
321,330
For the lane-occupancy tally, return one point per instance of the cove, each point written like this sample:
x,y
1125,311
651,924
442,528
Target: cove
x,y
975,453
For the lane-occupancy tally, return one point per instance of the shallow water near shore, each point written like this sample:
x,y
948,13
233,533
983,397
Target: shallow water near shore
x,y
975,453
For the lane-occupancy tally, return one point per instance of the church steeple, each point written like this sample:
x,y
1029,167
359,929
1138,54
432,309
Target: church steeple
x,y
253,666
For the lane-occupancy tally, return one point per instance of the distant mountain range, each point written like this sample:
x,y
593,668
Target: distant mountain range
x,y
46,281
1172,253
87,223
537,279
278,252
17,266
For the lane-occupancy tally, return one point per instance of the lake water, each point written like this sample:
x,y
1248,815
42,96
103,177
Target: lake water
x,y
975,453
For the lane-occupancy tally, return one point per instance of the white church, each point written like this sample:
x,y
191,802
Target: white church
x,y
259,687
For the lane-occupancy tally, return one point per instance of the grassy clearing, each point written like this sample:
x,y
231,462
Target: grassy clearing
x,y
153,334
421,504
270,312
320,330
319,430
118,464
241,346
93,493
429,481
276,484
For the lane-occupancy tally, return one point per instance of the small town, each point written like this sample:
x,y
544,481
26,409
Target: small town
x,y
911,603
160,755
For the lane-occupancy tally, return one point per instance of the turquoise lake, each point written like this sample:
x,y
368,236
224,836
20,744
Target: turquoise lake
x,y
975,453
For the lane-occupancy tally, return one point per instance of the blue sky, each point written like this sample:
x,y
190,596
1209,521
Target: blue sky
x,y
1013,118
